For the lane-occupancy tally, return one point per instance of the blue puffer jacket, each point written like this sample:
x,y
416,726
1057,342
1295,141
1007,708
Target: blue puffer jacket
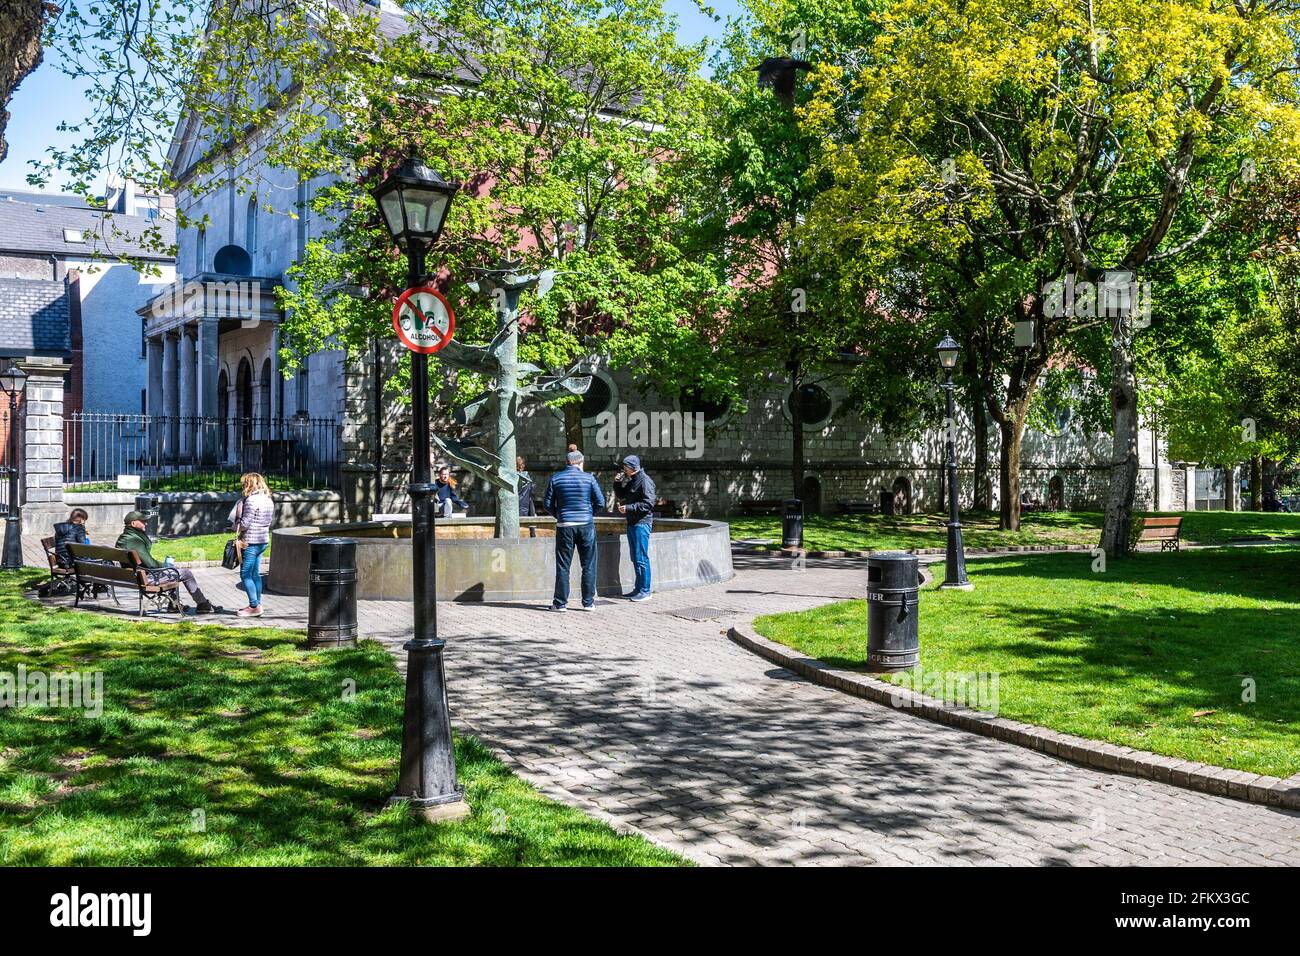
x,y
573,495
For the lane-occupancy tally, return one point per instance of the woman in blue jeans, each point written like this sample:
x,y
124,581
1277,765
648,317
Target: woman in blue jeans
x,y
252,517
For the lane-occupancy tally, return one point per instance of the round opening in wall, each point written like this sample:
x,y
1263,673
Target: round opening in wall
x,y
692,401
815,403
600,397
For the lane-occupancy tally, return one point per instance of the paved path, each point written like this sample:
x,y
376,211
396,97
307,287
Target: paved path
x,y
648,716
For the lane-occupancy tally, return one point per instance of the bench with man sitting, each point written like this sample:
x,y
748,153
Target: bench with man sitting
x,y
96,566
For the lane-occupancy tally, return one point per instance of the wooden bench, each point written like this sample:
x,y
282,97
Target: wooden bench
x,y
115,568
62,580
857,507
667,508
1164,530
750,507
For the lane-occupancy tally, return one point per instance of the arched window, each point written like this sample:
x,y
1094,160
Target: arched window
x,y
304,390
201,250
250,227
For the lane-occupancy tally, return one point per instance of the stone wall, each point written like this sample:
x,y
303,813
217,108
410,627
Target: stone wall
x,y
186,513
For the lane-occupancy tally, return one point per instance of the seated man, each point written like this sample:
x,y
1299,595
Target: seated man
x,y
134,538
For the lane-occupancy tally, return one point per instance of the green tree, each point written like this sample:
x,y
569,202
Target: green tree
x,y
1083,138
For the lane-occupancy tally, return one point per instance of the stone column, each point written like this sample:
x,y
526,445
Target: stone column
x,y
42,491
186,377
277,380
207,368
154,395
171,394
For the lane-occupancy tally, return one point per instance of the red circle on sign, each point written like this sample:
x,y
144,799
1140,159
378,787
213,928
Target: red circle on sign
x,y
404,301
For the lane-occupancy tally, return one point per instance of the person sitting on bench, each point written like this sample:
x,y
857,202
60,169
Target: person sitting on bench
x,y
134,538
72,531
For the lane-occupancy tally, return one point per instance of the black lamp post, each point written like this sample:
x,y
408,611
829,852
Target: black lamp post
x,y
955,563
13,381
780,74
414,202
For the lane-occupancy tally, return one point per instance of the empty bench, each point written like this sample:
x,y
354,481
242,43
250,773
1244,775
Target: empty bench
x,y
115,568
750,507
1164,530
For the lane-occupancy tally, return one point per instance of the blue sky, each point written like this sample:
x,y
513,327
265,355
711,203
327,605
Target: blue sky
x,y
48,97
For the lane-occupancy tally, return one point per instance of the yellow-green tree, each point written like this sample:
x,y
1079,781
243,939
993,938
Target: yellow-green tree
x,y
1066,138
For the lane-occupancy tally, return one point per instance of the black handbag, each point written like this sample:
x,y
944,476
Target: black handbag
x,y
231,558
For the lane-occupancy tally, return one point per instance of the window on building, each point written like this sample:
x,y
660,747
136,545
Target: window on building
x,y
250,227
304,391
814,402
304,216
201,251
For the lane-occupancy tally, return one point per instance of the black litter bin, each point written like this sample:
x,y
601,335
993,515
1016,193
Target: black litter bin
x,y
886,502
149,505
792,524
893,582
332,593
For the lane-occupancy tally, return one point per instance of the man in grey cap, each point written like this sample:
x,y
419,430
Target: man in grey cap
x,y
135,538
574,497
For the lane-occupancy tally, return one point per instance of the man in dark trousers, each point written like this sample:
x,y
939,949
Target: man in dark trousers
x,y
638,506
574,497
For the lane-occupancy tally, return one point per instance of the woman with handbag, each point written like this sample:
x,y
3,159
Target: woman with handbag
x,y
251,519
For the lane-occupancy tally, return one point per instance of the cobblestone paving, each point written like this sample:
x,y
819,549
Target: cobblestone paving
x,y
648,716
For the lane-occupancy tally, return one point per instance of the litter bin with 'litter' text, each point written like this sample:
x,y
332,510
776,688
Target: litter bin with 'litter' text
x,y
332,593
792,524
893,585
149,505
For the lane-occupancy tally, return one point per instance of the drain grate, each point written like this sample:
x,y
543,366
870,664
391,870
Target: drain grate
x,y
699,613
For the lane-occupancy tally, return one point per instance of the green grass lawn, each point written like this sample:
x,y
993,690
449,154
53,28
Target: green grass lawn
x,y
1151,654
286,768
980,529
196,547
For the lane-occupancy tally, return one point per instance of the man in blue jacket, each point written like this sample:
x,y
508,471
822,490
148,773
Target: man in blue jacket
x,y
574,497
637,497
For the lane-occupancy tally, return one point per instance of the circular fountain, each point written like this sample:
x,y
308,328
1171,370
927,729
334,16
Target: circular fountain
x,y
474,566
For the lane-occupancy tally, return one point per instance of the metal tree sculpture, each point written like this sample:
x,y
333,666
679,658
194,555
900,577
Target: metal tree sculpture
x,y
498,407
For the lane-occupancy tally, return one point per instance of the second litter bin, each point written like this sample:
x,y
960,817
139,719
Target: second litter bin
x,y
893,585
332,593
792,524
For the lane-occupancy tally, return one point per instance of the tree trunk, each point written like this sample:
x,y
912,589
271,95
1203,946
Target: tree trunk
x,y
1124,446
981,429
573,424
1012,431
1257,483
21,22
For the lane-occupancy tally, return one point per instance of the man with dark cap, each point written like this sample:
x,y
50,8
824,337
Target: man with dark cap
x,y
574,497
638,506
135,538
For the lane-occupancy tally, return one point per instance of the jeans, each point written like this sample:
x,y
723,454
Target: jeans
x,y
638,543
584,538
183,575
250,572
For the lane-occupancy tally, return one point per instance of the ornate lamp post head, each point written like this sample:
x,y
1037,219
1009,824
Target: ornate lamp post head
x,y
779,73
948,351
13,380
414,201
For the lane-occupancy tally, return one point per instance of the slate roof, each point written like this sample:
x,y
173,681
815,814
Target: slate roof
x,y
29,227
34,317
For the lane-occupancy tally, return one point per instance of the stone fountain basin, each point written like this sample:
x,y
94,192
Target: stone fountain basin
x,y
474,566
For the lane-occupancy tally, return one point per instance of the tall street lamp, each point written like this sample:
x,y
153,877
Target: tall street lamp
x,y
955,563
13,381
414,202
780,74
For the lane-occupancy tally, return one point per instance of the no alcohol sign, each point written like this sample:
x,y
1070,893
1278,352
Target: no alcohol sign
x,y
423,320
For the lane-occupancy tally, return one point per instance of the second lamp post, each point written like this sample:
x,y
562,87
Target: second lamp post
x,y
414,201
955,562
